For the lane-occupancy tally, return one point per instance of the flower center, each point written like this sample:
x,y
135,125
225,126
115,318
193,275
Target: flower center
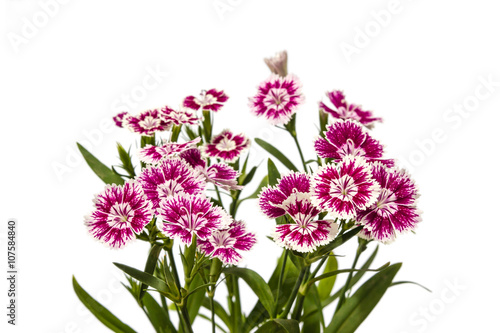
x,y
226,145
206,100
222,238
120,215
386,204
343,188
348,112
169,188
149,122
349,148
277,96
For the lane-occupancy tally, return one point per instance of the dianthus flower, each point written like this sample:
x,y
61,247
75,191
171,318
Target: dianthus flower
x,y
211,100
154,154
227,146
181,116
146,123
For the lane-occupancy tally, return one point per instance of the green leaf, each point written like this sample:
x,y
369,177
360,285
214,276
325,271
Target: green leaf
x,y
272,173
313,302
154,252
195,299
325,286
219,311
158,316
146,278
357,307
256,283
410,282
339,241
102,171
255,194
248,177
190,133
276,153
100,312
280,326
126,160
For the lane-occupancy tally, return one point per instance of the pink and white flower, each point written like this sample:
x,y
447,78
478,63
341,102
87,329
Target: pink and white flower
x,y
227,146
146,123
226,243
120,213
343,110
348,138
118,119
277,99
344,188
394,210
184,216
181,116
154,154
278,63
211,100
219,174
292,196
170,177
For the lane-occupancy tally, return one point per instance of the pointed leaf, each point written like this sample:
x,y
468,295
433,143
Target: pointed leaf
x,y
280,326
255,194
248,177
272,173
102,171
339,241
276,153
100,312
154,252
158,316
357,307
256,283
325,286
146,278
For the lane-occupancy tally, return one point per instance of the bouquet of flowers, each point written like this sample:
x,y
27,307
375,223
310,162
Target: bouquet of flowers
x,y
174,201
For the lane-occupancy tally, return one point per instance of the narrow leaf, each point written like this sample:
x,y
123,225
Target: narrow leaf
x,y
157,315
325,286
106,174
146,278
276,153
154,252
339,240
100,312
219,311
255,194
272,173
280,326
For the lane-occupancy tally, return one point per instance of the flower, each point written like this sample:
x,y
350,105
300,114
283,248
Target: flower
x,y
211,100
118,119
225,243
153,154
292,196
170,177
347,138
185,215
344,188
179,117
394,210
120,212
278,63
227,146
219,174
278,98
347,111
146,123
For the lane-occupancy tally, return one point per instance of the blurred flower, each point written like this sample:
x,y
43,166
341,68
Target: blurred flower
x,y
186,215
227,146
219,174
225,243
211,100
120,212
146,123
180,116
278,98
153,154
344,188
394,210
343,110
278,63
348,138
171,177
118,119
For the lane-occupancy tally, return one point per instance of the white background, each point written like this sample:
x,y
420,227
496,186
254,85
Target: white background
x,y
63,76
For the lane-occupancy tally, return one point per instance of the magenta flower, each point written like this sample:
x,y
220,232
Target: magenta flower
x,y
343,110
344,188
347,138
292,196
227,146
146,123
118,119
211,100
170,177
225,243
186,215
153,154
219,174
394,210
181,116
120,213
277,99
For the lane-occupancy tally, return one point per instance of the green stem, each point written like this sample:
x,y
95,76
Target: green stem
x,y
294,136
185,319
212,308
280,282
300,300
237,305
293,295
360,249
218,195
174,269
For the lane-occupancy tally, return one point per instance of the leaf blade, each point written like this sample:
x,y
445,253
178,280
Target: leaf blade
x,y
102,171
